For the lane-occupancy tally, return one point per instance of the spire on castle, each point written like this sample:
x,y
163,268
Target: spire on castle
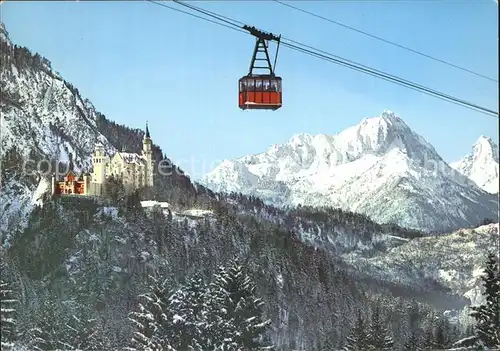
x,y
147,130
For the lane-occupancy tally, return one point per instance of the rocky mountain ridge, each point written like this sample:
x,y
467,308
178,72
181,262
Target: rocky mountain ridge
x,y
380,168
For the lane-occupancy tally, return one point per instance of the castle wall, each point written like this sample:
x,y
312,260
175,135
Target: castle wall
x,y
95,189
54,189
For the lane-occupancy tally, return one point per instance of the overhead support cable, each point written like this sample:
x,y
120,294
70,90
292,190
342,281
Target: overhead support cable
x,y
323,55
387,41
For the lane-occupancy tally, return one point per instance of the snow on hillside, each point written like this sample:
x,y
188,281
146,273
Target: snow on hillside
x,y
43,118
455,260
481,165
197,213
16,203
191,216
379,167
152,203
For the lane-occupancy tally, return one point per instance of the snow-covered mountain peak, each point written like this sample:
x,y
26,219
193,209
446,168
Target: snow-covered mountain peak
x,y
233,176
481,165
372,136
379,167
300,139
379,135
388,119
389,114
485,148
392,119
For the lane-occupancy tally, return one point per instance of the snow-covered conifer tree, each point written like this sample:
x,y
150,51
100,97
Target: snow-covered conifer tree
x,y
189,321
357,340
48,332
239,309
487,315
7,315
428,338
442,335
84,332
151,320
412,343
378,336
217,322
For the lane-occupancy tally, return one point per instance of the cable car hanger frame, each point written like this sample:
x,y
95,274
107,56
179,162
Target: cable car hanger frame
x,y
261,45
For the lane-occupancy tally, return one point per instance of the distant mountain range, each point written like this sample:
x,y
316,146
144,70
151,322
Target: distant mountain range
x,y
380,168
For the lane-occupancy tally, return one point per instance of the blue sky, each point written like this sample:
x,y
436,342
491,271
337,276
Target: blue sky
x,y
137,61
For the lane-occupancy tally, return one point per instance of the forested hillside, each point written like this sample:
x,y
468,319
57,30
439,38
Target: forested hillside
x,y
80,255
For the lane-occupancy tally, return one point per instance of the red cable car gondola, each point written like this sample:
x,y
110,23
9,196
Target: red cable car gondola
x,y
260,91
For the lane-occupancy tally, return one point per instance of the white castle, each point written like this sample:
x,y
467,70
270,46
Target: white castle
x,y
133,170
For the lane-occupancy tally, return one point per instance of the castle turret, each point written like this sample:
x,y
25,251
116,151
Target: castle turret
x,y
147,152
146,143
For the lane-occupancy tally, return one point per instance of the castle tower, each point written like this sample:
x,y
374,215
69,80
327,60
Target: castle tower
x,y
99,163
98,178
147,152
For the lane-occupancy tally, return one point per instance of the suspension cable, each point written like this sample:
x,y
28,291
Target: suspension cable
x,y
385,40
311,51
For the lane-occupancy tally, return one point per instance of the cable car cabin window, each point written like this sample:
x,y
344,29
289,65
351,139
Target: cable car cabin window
x,y
267,85
258,85
274,86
